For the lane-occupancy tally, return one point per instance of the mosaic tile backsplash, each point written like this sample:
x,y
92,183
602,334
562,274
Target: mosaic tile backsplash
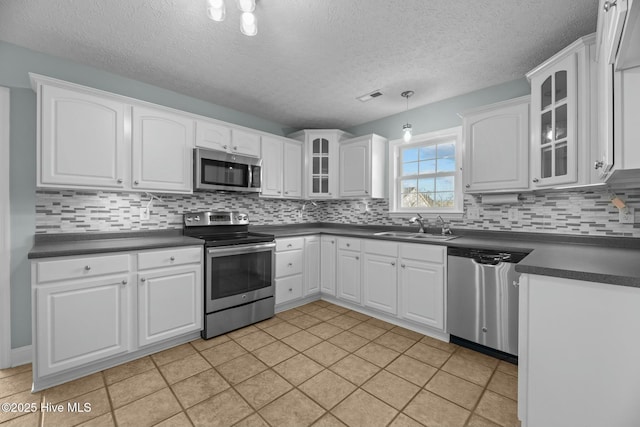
x,y
575,212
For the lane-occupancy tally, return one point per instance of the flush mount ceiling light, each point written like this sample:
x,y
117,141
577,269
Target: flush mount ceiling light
x,y
406,129
216,10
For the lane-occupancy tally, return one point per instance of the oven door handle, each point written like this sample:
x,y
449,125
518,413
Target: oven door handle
x,y
240,249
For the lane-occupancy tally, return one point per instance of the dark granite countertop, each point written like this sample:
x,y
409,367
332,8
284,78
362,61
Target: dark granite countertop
x,y
612,260
53,245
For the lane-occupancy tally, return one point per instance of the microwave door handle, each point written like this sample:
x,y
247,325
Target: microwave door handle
x,y
250,176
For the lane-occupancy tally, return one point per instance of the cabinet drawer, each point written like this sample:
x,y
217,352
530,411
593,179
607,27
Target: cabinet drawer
x,y
418,252
348,244
289,244
76,268
168,257
288,263
381,248
288,288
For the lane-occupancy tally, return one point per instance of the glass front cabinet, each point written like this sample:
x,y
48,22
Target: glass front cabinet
x,y
560,117
321,161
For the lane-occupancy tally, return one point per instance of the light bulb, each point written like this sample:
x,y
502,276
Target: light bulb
x,y
216,4
248,24
407,132
247,5
216,10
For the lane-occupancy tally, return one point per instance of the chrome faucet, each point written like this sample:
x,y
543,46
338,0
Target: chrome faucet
x,y
418,219
445,227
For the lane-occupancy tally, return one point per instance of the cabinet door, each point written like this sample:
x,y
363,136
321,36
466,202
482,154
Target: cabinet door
x,y
81,140
497,148
322,160
554,124
311,265
328,264
162,151
422,292
213,136
292,169
245,143
80,322
380,279
355,175
169,303
349,276
272,166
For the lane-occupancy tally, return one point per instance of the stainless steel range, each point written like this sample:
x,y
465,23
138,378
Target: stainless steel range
x,y
239,270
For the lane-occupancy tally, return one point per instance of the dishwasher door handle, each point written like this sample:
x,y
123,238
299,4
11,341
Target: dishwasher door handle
x,y
482,264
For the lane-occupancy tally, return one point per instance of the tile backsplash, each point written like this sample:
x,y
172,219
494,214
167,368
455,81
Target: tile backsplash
x,y
575,212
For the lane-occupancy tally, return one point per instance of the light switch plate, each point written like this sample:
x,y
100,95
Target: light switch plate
x,y
514,214
473,213
145,214
627,215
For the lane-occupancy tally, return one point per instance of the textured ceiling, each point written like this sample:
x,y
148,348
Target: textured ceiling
x,y
311,58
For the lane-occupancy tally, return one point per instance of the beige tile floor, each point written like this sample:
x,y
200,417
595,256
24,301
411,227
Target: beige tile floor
x,y
317,365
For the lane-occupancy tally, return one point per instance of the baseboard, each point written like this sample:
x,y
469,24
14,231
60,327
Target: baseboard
x,y
20,356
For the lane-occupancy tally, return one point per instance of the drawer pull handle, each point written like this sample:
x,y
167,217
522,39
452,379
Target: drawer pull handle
x,y
172,258
609,4
289,245
290,265
87,267
142,279
536,180
124,282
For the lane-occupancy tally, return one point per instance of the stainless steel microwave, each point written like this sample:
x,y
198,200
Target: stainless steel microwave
x,y
216,170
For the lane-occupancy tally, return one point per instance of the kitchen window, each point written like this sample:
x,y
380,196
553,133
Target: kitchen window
x,y
425,174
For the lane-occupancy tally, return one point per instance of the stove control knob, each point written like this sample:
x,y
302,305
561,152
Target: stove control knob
x,y
197,218
189,219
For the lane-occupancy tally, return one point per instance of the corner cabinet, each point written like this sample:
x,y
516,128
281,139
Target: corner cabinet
x,y
362,167
321,161
281,168
81,139
562,117
162,144
498,128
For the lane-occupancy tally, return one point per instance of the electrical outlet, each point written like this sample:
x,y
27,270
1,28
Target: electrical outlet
x,y
627,215
514,215
145,214
473,213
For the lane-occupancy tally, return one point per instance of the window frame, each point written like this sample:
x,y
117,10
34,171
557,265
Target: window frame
x,y
425,139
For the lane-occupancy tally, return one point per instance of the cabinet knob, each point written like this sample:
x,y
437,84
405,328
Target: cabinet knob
x,y
87,267
598,164
286,192
290,289
484,329
536,180
224,146
332,242
235,147
329,194
119,181
172,258
289,245
290,265
124,282
142,279
403,265
468,186
135,182
609,4
357,258
366,192
393,263
348,244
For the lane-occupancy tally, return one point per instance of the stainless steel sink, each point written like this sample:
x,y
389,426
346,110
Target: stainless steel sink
x,y
417,236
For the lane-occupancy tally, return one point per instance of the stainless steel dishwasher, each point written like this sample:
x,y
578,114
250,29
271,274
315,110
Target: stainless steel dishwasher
x,y
482,297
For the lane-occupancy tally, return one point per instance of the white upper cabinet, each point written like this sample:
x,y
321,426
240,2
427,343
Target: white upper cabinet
x,y
321,161
561,117
362,167
80,139
281,168
162,144
496,147
223,137
619,33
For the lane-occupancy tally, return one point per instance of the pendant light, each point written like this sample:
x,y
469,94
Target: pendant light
x,y
406,129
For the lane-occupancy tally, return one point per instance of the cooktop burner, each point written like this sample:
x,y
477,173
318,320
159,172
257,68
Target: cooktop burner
x,y
222,228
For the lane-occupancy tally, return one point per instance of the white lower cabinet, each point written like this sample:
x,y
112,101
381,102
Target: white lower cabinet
x,y
348,270
311,265
79,322
289,268
84,309
422,284
380,276
328,253
169,303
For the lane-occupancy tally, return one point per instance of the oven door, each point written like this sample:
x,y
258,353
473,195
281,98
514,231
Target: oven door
x,y
237,275
231,172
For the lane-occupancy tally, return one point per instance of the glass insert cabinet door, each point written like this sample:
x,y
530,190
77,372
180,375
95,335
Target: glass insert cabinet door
x,y
553,124
320,154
